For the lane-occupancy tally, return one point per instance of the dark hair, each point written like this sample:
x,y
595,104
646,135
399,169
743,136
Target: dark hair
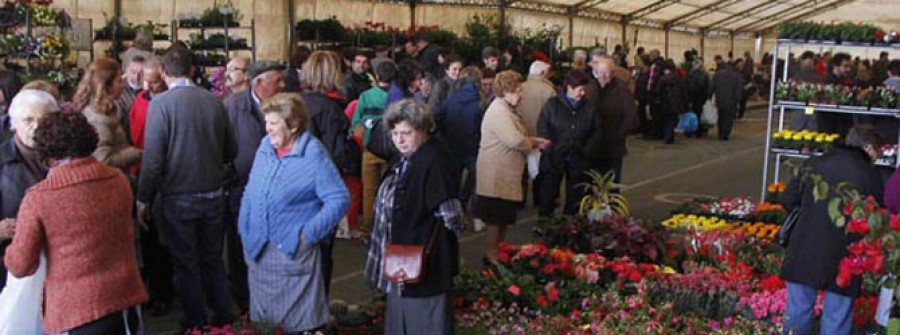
x,y
883,54
382,48
386,72
808,55
640,50
863,135
10,85
409,69
489,52
837,59
177,63
449,60
64,135
576,78
299,56
488,73
894,67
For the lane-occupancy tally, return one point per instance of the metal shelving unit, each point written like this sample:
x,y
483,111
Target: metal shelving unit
x,y
226,28
780,107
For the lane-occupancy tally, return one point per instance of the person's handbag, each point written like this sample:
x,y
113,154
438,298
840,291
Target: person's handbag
x,y
687,123
793,217
710,115
405,263
784,233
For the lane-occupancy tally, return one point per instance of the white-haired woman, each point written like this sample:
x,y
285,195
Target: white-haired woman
x,y
20,167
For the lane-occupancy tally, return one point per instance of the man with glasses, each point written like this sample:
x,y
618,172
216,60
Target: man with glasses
x,y
236,75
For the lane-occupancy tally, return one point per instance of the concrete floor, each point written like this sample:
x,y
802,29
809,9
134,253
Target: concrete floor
x,y
657,177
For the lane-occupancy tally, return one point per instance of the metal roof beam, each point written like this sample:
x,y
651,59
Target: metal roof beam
x,y
759,7
584,4
703,11
652,8
815,11
782,14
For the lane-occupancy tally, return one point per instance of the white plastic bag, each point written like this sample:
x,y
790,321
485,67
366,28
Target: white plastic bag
x,y
710,116
534,163
883,311
20,303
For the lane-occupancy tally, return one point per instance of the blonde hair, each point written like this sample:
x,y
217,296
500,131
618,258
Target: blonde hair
x,y
94,88
321,72
290,107
506,82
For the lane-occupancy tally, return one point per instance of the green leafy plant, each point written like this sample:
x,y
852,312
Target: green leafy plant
x,y
602,196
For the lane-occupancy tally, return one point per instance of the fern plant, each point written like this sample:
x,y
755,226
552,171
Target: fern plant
x,y
602,196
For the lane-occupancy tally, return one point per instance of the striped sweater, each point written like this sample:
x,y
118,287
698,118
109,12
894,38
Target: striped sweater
x,y
301,193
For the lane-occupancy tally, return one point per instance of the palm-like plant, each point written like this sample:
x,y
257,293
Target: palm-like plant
x,y
602,196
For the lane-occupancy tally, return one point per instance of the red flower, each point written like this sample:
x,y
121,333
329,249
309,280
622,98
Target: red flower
x,y
635,277
548,269
541,301
552,293
534,263
513,289
503,257
895,222
458,301
848,208
575,315
858,226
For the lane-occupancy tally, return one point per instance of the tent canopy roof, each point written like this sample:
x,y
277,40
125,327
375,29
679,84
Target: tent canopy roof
x,y
733,16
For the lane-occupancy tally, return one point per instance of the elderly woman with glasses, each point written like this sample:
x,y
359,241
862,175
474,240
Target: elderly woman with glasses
x,y
417,204
293,200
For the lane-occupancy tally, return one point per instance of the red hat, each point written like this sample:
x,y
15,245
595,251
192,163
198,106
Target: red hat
x,y
537,55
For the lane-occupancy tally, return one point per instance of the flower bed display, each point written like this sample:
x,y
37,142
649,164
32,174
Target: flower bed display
x,y
826,95
721,280
734,209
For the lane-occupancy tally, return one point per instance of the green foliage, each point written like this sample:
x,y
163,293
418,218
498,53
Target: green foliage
x,y
602,194
323,30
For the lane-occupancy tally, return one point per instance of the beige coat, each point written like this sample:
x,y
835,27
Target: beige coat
x,y
535,93
113,148
501,156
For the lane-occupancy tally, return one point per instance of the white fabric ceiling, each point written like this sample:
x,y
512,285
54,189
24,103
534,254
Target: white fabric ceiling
x,y
709,15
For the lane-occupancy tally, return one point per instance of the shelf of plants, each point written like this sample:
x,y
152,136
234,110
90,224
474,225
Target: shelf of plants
x,y
34,42
211,34
820,98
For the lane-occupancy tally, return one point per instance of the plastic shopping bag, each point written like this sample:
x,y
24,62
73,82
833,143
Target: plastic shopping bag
x,y
20,303
687,122
710,115
534,163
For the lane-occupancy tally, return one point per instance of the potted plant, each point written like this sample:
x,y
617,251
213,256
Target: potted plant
x,y
603,198
806,92
884,100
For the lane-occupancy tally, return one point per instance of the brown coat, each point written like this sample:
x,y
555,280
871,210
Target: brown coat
x,y
81,215
535,93
113,148
501,157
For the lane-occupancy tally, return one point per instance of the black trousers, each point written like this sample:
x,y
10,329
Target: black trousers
x,y
658,124
195,232
669,122
726,121
157,264
237,266
549,180
112,324
697,107
643,122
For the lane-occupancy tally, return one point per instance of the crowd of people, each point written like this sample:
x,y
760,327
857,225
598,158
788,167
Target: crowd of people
x,y
146,167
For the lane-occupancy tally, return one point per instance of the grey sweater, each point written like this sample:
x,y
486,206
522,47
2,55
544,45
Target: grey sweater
x,y
187,143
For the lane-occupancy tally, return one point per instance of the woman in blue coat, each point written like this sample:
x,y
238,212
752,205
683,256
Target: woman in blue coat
x,y
294,199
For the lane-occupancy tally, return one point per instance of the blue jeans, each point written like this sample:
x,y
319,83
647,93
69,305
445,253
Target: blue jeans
x,y
836,312
195,231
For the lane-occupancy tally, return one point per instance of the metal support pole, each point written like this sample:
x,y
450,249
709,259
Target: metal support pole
x,y
571,30
291,33
667,43
703,45
503,40
412,14
765,176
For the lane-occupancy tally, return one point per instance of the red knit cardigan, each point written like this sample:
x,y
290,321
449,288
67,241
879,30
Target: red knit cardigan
x,y
80,215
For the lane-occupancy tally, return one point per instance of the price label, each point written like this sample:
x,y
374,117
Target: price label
x,y
809,110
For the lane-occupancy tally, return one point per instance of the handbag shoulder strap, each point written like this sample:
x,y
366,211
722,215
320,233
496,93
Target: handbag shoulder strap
x,y
432,237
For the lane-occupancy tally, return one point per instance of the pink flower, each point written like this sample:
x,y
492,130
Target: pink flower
x,y
513,289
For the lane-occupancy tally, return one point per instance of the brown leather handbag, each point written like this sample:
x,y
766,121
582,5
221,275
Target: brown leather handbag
x,y
405,263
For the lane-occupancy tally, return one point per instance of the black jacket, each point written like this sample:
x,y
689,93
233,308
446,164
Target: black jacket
x,y
249,128
15,179
430,180
675,94
698,86
616,112
568,128
459,121
328,123
428,58
355,84
817,244
728,87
